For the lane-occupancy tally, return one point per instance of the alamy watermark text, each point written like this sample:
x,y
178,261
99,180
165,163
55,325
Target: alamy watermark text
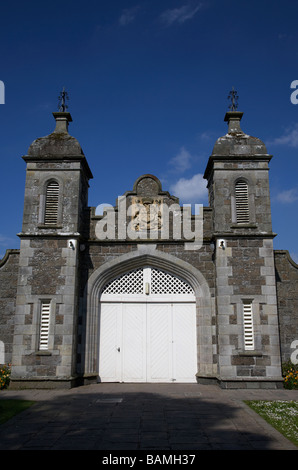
x,y
294,94
2,92
143,220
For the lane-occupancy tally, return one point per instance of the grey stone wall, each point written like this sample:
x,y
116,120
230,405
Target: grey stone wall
x,y
48,271
253,277
287,298
9,266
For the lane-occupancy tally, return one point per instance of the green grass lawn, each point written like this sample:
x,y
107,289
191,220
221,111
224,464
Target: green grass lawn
x,y
282,415
9,408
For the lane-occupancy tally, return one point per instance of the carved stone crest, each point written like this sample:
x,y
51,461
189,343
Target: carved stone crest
x,y
146,214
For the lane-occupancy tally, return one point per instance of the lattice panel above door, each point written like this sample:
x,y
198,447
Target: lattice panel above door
x,y
135,281
165,283
129,283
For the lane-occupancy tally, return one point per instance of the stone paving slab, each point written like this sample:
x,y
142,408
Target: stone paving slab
x,y
148,417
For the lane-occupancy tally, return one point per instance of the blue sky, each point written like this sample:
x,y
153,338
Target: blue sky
x,y
148,83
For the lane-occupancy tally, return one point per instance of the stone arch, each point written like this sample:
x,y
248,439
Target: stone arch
x,y
148,255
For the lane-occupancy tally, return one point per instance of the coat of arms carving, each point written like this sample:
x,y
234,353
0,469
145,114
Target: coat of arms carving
x,y
146,214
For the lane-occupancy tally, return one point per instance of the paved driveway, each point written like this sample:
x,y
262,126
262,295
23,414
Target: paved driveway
x,y
130,417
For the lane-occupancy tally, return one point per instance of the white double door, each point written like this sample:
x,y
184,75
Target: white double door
x,y
147,342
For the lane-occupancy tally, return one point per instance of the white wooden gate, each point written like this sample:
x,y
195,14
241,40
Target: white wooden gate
x,y
147,329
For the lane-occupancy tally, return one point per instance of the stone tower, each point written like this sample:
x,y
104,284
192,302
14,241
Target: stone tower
x,y
56,193
247,317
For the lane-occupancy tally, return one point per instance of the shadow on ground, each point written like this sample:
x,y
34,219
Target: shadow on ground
x,y
130,419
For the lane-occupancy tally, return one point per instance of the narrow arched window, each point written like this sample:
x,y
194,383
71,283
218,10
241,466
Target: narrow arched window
x,y
242,206
52,202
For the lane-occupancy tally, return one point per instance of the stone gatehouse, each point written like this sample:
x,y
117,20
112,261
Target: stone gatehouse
x,y
147,291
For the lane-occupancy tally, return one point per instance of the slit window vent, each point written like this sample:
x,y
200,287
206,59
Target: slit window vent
x,y
44,325
248,326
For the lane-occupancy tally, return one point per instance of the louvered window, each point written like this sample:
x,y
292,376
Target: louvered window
x,y
44,325
248,325
242,208
51,206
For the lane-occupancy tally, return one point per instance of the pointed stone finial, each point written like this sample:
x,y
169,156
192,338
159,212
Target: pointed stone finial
x,y
233,119
62,120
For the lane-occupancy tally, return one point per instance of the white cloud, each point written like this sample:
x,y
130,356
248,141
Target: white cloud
x,y
190,190
205,136
182,161
288,196
289,138
128,16
179,15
